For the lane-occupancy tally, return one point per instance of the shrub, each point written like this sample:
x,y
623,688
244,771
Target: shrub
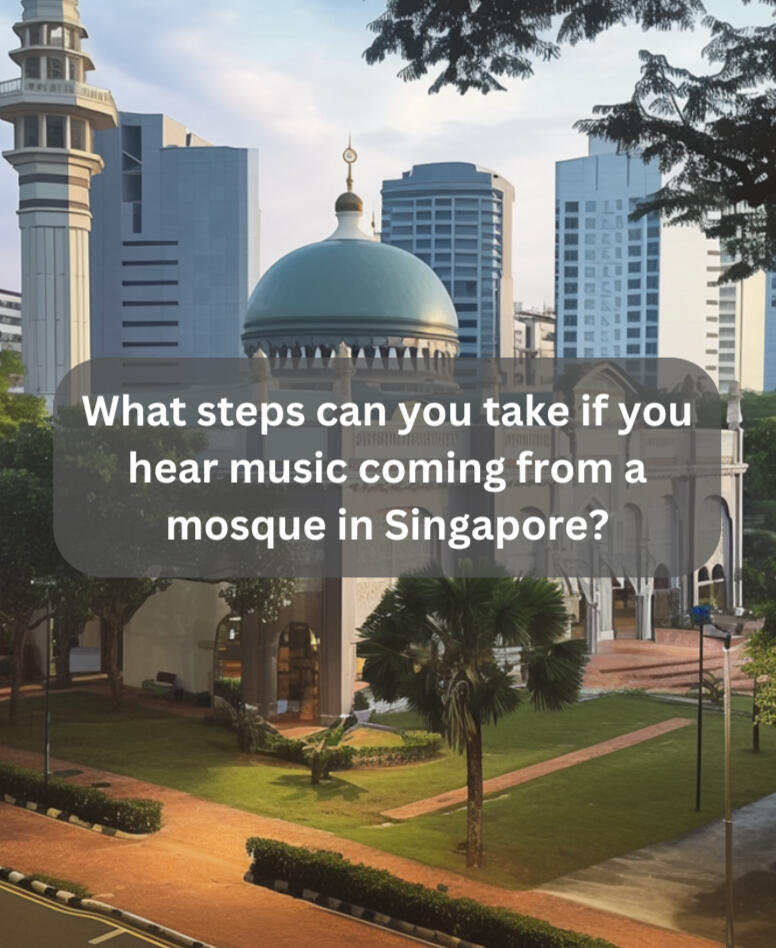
x,y
379,891
418,745
230,691
360,701
87,803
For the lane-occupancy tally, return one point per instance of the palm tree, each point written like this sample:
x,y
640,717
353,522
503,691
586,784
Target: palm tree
x,y
435,641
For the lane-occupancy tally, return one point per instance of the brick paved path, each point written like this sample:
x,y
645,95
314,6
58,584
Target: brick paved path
x,y
453,797
189,875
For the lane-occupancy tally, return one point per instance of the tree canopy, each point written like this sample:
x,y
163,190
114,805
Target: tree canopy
x,y
477,43
713,133
16,409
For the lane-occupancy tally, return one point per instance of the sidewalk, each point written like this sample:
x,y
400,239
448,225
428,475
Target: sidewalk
x,y
516,777
189,876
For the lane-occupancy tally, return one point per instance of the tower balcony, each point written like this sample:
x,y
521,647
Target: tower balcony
x,y
20,96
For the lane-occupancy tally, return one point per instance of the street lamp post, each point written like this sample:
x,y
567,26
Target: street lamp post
x,y
47,584
700,616
725,637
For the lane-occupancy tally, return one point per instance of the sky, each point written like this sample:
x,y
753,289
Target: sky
x,y
288,78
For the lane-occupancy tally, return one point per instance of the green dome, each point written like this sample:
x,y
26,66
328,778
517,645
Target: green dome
x,y
361,292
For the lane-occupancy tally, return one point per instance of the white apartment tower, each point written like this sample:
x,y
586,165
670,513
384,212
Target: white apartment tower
x,y
54,113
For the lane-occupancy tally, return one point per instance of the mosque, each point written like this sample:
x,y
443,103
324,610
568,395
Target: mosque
x,y
349,295
367,303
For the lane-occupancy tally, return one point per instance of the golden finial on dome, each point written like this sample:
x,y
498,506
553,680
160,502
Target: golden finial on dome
x,y
350,156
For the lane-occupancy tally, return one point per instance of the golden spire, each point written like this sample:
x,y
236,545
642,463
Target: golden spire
x,y
350,157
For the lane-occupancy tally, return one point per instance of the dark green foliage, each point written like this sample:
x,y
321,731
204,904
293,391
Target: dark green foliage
x,y
230,691
417,746
88,804
379,891
15,409
474,43
360,701
714,134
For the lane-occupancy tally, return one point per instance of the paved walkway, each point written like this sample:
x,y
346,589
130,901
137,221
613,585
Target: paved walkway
x,y
188,876
454,797
681,883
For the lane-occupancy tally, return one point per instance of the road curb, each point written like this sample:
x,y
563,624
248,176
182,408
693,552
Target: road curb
x,y
363,914
96,907
63,817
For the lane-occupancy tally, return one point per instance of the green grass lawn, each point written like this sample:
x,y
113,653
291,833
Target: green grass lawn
x,y
533,833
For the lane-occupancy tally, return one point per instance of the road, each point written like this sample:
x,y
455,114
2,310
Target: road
x,y
29,921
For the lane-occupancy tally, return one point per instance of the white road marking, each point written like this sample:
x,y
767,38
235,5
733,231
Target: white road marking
x,y
106,937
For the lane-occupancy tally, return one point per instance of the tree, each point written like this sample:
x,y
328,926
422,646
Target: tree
x,y
261,596
712,133
761,666
476,43
70,598
27,550
16,409
434,641
115,602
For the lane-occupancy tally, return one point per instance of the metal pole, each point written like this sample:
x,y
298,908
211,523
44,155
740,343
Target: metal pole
x,y
699,756
46,712
729,900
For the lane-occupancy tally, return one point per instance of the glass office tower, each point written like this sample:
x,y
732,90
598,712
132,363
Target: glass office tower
x,y
457,218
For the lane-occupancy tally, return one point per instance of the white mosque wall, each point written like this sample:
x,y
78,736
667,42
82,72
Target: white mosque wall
x,y
174,631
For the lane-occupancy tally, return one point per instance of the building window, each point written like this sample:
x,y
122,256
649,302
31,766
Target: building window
x,y
55,131
34,37
32,67
78,134
72,69
55,68
31,131
55,36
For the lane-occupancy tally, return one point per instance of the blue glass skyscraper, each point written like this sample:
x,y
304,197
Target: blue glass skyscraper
x,y
457,218
607,268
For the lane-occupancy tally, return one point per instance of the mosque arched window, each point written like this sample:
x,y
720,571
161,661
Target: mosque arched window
x,y
78,134
55,131
31,131
55,68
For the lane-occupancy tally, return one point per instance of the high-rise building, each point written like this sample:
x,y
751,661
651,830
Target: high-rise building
x,y
54,113
644,288
176,241
534,331
10,320
457,217
607,269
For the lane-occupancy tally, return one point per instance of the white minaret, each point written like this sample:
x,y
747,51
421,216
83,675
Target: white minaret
x,y
54,113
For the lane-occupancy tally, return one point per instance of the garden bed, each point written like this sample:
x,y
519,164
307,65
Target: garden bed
x,y
375,895
87,804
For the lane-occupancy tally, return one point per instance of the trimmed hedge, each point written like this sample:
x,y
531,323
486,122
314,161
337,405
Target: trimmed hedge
x,y
418,745
377,890
132,815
